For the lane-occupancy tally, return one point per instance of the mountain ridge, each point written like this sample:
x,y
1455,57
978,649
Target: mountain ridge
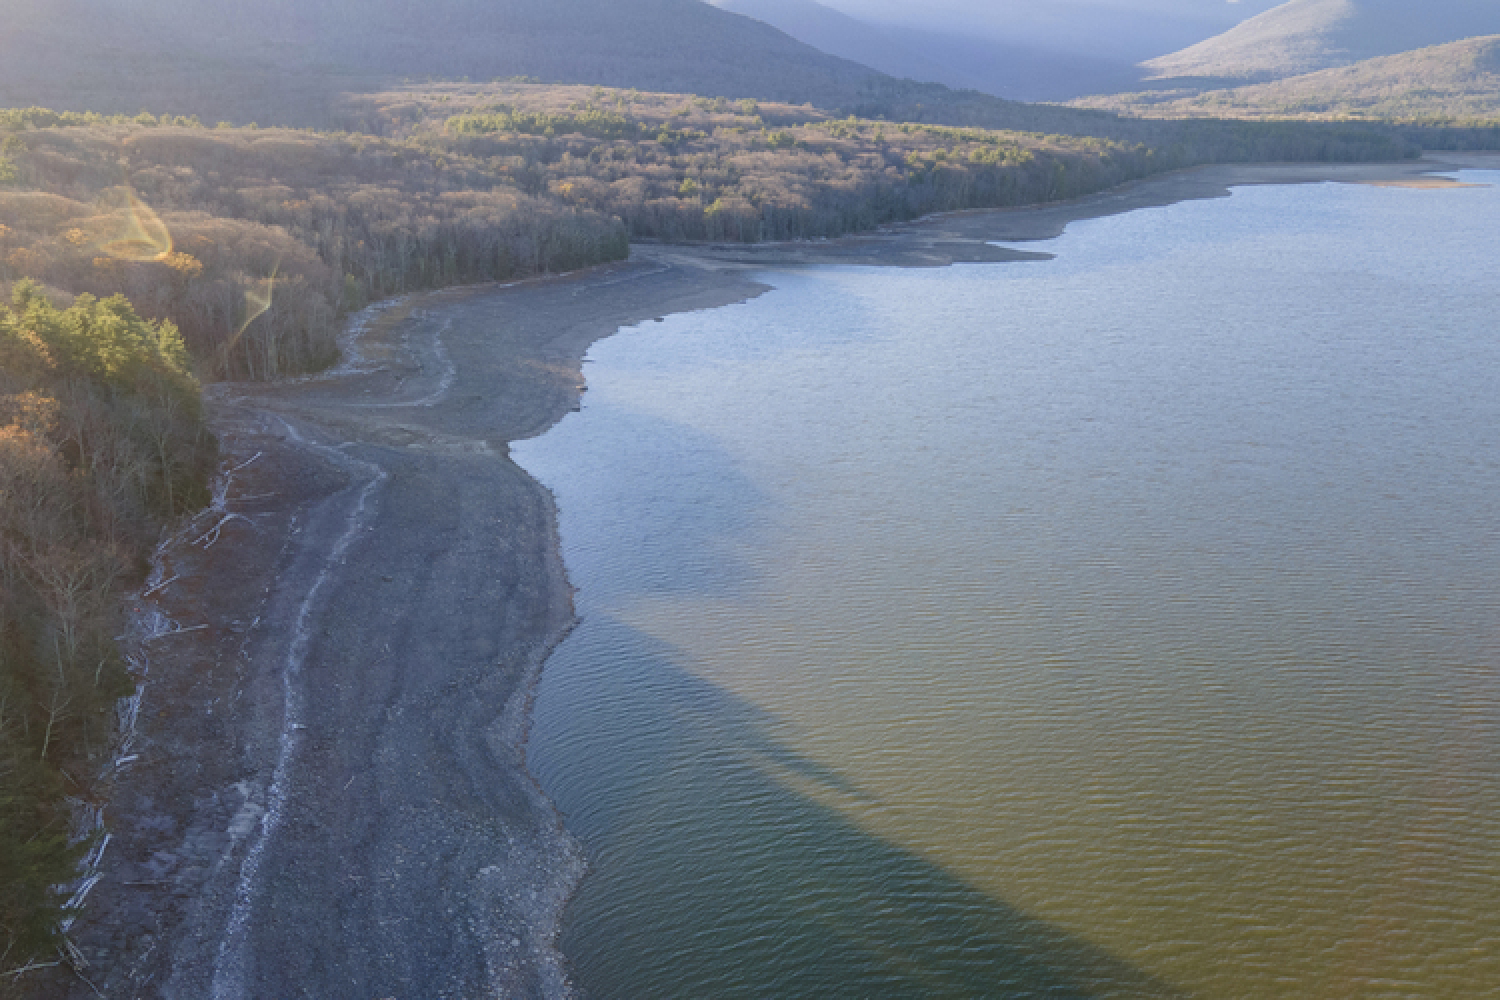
x,y
1012,70
142,49
290,63
1457,82
1306,36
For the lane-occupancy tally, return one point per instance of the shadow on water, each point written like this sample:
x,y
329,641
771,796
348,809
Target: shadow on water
x,y
714,876
723,863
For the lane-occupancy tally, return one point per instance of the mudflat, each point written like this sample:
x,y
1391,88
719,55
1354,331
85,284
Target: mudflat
x,y
325,793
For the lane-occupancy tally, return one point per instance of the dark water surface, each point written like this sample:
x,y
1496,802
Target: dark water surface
x,y
1124,624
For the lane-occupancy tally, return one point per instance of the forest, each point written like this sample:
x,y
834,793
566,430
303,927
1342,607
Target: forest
x,y
458,183
678,168
102,444
254,241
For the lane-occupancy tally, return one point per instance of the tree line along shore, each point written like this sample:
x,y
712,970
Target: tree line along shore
x,y
141,256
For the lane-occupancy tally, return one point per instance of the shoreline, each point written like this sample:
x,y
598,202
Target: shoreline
x,y
356,553
968,236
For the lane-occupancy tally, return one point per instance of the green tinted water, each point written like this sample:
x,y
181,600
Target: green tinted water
x,y
1119,625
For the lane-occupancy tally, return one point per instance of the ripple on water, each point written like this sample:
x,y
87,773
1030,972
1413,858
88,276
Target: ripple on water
x,y
1112,626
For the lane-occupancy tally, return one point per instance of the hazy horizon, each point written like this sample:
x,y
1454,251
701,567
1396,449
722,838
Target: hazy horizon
x,y
1122,30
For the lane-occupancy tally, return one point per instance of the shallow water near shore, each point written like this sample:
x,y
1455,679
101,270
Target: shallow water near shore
x,y
1124,624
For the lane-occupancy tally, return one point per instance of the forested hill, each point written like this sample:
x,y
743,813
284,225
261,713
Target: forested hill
x,y
287,62
1305,36
1453,84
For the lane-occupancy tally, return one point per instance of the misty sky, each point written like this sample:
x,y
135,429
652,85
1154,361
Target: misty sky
x,y
1227,11
1132,29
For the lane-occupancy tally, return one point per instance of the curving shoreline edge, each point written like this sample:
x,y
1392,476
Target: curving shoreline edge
x,y
213,717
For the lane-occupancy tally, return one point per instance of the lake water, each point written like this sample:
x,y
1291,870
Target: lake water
x,y
1120,625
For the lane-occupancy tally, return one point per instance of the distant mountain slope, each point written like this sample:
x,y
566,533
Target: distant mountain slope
x,y
1113,31
1459,81
1013,70
289,61
1305,36
115,50
836,33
